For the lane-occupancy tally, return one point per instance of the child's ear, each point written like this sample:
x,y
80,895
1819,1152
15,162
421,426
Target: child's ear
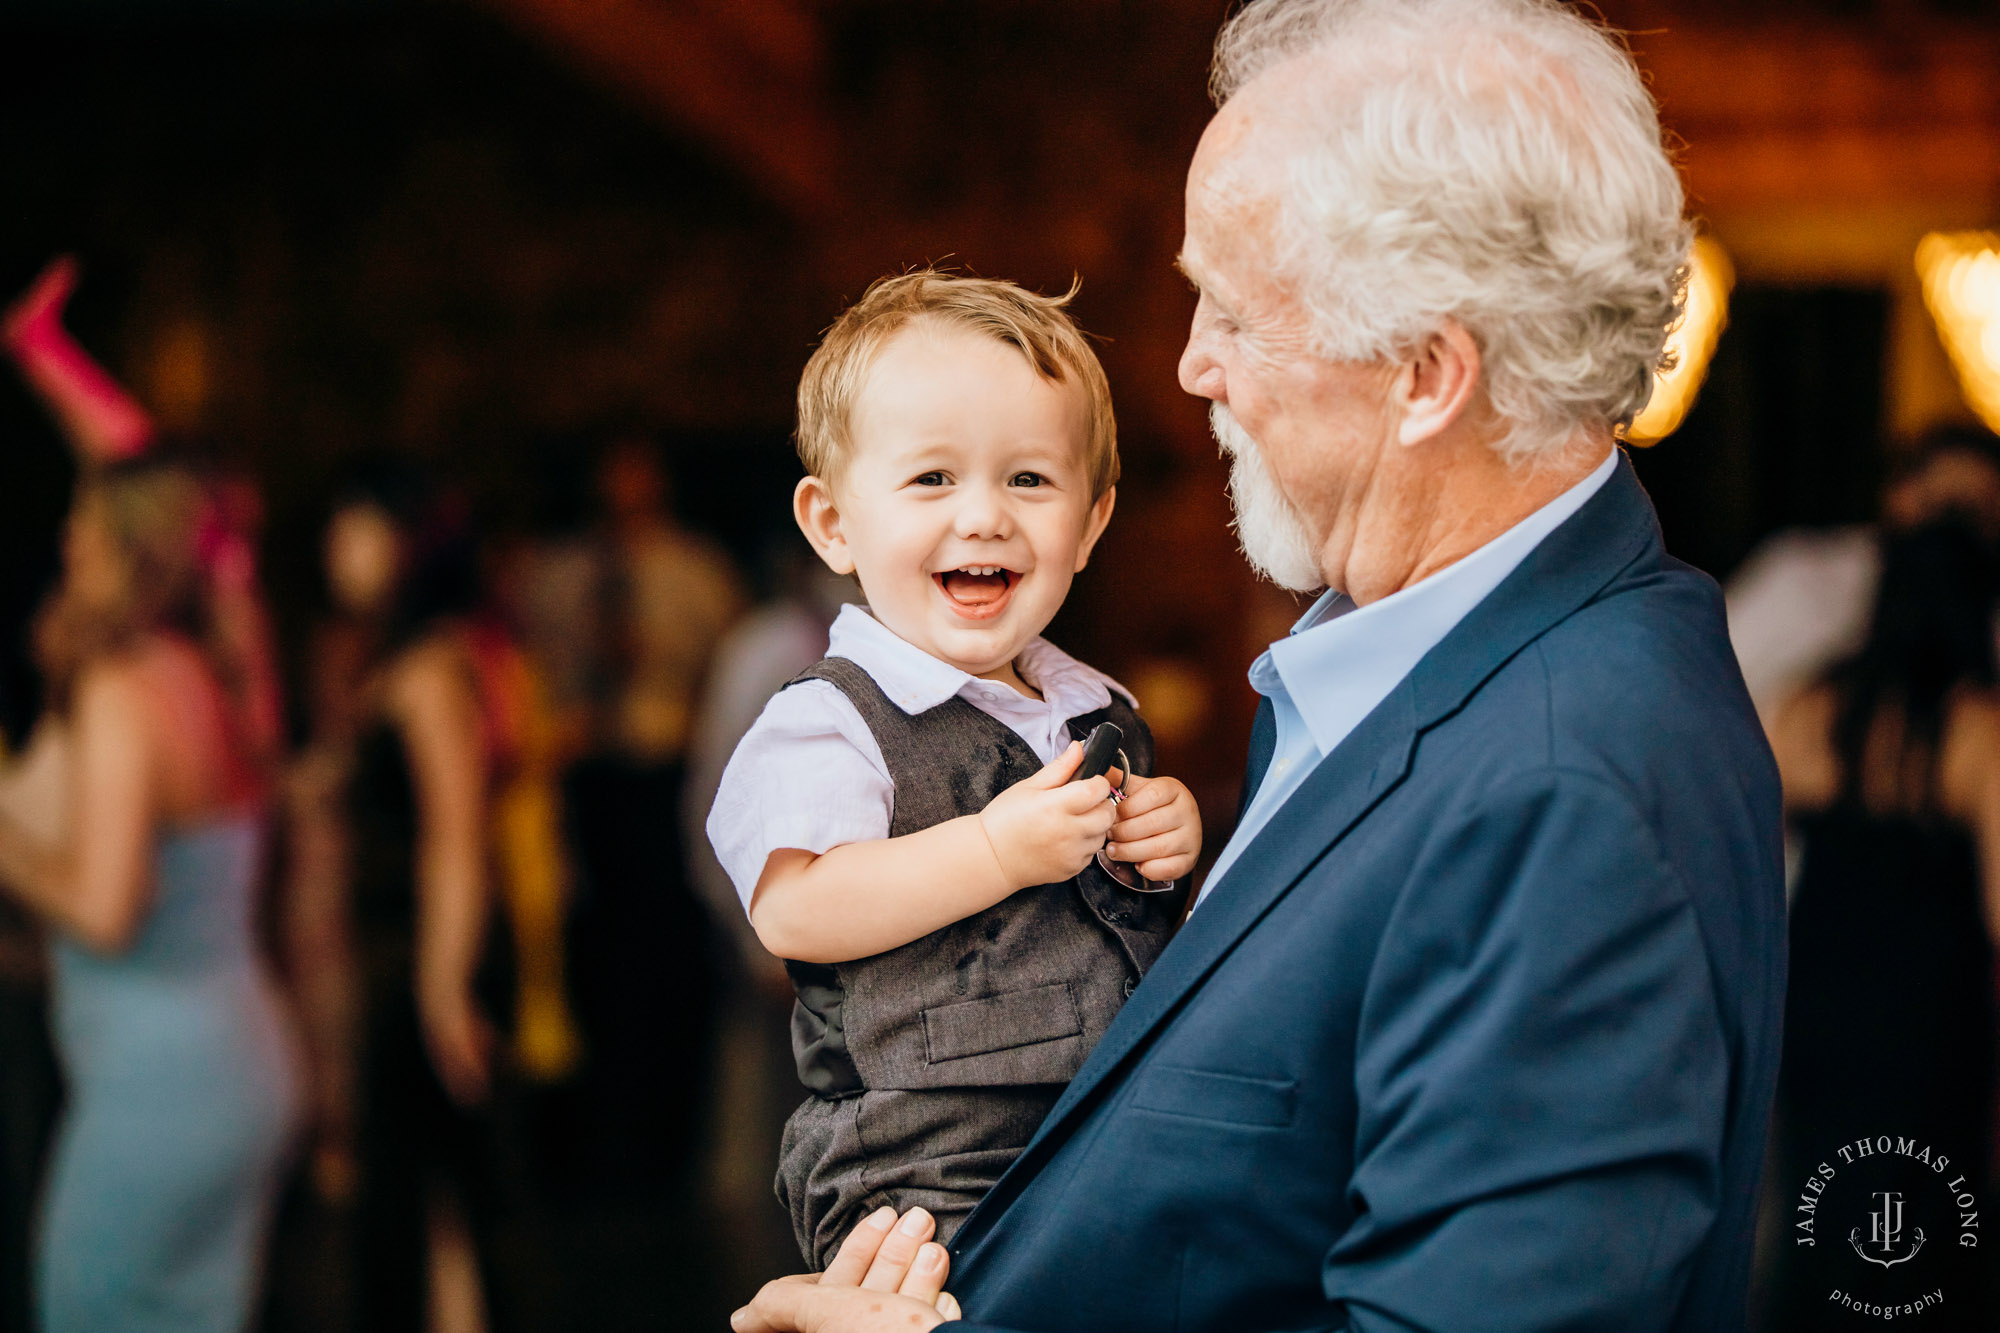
x,y
819,519
1093,526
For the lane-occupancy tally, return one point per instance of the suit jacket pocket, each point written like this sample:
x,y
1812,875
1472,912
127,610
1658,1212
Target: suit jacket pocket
x,y
1000,1022
1206,1094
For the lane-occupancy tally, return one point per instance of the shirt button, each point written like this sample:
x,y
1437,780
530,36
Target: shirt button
x,y
1129,984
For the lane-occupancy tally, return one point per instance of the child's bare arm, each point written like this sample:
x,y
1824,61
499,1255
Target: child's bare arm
x,y
863,898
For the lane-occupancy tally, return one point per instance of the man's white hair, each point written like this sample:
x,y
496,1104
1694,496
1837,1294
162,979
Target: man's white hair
x,y
1497,162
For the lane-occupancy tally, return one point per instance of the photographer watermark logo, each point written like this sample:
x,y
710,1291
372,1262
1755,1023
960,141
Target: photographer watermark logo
x,y
1888,1198
1885,1233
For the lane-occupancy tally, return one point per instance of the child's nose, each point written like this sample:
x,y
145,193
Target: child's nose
x,y
982,512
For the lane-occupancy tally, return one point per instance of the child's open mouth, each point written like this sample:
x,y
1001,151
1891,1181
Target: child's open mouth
x,y
977,592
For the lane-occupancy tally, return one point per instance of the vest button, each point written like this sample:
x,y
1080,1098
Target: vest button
x,y
1129,985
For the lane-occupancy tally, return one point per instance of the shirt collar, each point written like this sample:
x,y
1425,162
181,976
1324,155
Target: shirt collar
x,y
1341,660
916,682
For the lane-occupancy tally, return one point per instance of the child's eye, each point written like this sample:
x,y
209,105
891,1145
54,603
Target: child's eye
x,y
928,479
1027,479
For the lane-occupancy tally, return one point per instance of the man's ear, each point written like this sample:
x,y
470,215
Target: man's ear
x,y
819,519
1093,526
1438,383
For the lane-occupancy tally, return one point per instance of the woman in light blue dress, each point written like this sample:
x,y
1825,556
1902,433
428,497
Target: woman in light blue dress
x,y
182,1089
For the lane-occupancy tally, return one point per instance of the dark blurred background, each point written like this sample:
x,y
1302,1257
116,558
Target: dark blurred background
x,y
484,232
495,234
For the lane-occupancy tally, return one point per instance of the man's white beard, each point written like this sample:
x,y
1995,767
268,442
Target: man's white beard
x,y
1274,538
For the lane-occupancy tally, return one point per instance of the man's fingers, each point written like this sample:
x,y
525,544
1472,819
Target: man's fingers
x,y
794,1307
925,1280
899,1252
783,1306
1167,868
850,1264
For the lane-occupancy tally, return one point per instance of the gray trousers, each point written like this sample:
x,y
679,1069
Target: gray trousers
x,y
939,1149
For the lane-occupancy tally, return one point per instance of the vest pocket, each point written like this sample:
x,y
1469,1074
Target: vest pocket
x,y
1000,1022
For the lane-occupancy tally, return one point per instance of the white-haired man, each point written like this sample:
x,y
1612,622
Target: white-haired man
x,y
1475,1025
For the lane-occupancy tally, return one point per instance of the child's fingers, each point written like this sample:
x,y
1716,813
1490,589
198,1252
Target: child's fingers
x,y
1148,849
1166,869
1130,827
1093,825
1143,794
1077,797
850,1263
1140,802
1058,770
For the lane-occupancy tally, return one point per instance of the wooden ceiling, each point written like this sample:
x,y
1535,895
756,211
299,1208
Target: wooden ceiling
x,y
1823,101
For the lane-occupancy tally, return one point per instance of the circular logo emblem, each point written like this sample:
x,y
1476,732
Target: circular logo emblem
x,y
1886,1226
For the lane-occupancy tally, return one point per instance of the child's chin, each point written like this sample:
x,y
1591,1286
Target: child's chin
x,y
981,646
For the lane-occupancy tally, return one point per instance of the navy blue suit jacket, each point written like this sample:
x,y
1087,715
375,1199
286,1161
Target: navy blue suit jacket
x,y
1480,1032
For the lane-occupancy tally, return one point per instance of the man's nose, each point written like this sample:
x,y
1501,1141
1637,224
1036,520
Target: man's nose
x,y
1201,374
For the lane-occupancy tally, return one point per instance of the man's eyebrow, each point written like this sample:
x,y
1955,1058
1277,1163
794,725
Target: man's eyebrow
x,y
1191,270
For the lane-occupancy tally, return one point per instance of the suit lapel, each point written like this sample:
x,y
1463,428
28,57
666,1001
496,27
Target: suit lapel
x,y
1332,799
1263,744
1567,570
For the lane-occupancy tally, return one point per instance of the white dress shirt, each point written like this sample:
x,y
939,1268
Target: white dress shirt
x,y
808,774
1341,660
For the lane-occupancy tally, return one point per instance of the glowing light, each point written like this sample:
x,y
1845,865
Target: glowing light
x,y
1961,276
1691,342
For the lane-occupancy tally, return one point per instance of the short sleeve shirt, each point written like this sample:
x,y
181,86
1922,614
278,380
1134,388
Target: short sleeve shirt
x,y
809,775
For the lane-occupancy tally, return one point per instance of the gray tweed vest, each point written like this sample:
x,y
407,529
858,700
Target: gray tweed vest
x,y
1017,994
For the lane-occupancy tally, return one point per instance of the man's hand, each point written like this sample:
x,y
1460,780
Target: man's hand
x,y
887,1276
1045,828
1158,828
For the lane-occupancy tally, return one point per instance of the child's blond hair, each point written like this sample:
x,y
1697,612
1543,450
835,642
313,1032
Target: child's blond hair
x,y
1039,326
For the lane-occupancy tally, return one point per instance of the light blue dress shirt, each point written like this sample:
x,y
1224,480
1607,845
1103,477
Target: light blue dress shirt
x,y
1341,660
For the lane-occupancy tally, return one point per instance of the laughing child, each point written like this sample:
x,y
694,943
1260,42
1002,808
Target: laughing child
x,y
900,822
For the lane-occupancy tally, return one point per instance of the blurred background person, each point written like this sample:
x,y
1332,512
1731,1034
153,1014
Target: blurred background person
x,y
97,418
1891,769
178,1062
437,1153
1801,600
624,618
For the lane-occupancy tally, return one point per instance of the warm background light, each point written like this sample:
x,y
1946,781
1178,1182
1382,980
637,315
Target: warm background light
x,y
1961,277
1692,343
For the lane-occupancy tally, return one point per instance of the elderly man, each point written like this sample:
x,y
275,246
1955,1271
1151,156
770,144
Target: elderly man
x,y
1475,1025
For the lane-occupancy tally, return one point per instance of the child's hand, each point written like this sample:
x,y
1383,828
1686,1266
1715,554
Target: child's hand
x,y
1045,828
1158,828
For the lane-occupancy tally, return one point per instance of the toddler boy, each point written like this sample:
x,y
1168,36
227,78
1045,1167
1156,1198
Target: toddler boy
x,y
900,821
